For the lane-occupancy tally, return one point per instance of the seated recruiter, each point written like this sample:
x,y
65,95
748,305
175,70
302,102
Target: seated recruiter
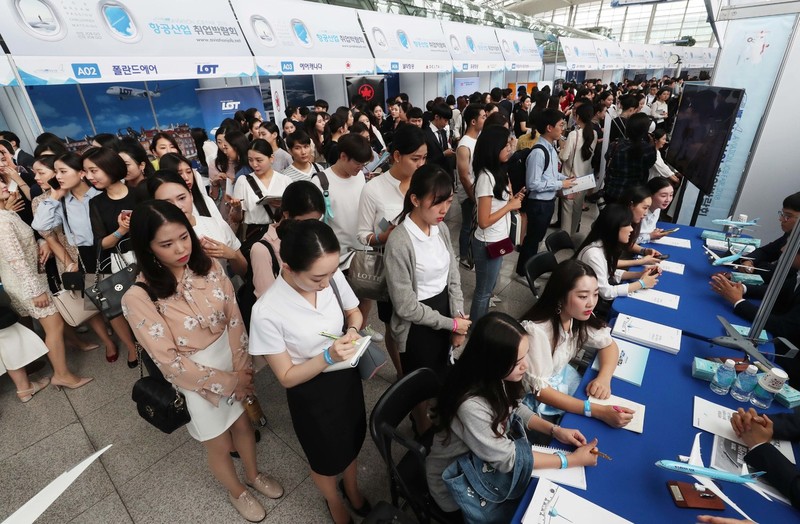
x,y
661,194
477,403
602,249
784,321
638,199
766,256
757,431
560,324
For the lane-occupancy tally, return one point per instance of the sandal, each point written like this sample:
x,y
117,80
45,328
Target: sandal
x,y
27,394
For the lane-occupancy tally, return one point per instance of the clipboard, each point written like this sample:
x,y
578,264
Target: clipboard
x,y
271,201
361,346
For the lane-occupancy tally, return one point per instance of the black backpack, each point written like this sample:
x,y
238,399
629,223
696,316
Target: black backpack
x,y
246,295
517,166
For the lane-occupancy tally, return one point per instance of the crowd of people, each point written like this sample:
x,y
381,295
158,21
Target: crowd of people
x,y
244,253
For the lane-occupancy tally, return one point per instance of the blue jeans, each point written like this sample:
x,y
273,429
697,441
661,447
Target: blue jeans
x,y
486,272
467,209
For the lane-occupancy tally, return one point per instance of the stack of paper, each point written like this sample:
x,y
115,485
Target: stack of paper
x,y
583,183
657,297
648,333
552,503
671,267
637,423
575,476
631,364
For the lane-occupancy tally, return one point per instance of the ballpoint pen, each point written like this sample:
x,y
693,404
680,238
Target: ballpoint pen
x,y
599,453
332,336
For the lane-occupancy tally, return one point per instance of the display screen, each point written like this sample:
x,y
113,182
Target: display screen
x,y
705,117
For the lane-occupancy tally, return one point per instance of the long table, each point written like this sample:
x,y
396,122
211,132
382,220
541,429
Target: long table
x,y
631,485
699,305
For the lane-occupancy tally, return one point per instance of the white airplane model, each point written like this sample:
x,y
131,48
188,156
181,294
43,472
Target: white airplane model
x,y
716,260
694,466
735,223
126,93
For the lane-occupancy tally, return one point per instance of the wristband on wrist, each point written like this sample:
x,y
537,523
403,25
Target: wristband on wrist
x,y
327,356
455,325
641,283
587,408
563,457
117,235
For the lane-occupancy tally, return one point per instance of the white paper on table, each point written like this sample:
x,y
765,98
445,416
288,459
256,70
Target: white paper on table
x,y
575,477
657,297
675,242
584,183
727,455
637,423
649,334
553,503
714,418
671,267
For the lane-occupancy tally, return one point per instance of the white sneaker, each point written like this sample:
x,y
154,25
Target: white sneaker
x,y
369,332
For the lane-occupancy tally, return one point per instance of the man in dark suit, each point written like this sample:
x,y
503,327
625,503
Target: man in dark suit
x,y
439,150
757,431
21,158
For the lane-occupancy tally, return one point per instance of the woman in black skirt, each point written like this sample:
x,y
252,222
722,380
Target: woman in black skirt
x,y
423,280
287,322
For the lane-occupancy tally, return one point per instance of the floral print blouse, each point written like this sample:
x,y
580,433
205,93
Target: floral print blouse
x,y
173,328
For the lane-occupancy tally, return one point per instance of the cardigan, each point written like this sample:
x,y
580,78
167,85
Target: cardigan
x,y
400,263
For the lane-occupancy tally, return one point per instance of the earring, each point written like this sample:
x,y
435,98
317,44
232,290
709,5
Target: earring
x,y
558,309
157,261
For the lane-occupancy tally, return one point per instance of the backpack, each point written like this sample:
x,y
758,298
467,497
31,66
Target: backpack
x,y
246,295
517,166
323,181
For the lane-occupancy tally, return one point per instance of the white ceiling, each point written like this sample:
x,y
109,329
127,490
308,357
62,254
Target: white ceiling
x,y
534,7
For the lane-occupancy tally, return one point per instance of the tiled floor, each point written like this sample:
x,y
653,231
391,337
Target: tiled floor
x,y
150,477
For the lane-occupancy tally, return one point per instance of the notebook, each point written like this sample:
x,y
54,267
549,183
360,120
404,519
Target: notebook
x,y
554,504
575,477
631,364
361,346
637,424
646,333
583,183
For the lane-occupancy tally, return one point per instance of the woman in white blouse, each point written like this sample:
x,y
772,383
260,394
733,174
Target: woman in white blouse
x,y
601,251
560,324
380,205
263,181
576,157
661,192
495,203
659,109
660,168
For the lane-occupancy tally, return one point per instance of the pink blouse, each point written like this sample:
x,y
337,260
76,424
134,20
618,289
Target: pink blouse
x,y
175,327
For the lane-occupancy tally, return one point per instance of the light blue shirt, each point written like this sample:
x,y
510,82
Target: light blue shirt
x,y
541,184
78,227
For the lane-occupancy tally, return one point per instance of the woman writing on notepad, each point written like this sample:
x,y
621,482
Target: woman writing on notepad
x,y
310,296
479,405
601,251
559,326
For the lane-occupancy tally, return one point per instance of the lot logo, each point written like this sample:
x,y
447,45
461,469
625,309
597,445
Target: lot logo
x,y
287,67
86,70
207,69
230,105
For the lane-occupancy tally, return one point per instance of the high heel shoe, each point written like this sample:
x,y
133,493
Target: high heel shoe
x,y
133,364
27,394
365,508
112,358
75,385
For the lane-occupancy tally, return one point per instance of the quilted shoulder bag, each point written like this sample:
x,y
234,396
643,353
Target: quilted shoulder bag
x,y
107,294
157,401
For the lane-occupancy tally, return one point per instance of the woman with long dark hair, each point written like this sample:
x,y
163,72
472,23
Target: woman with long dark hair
x,y
560,324
161,144
311,296
281,158
423,280
602,249
179,164
138,165
231,160
576,157
661,193
314,126
476,404
495,203
184,314
638,199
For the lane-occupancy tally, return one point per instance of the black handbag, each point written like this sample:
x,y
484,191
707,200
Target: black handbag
x,y
157,401
107,294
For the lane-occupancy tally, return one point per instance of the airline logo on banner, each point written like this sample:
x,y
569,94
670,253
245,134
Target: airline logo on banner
x,y
519,50
473,48
579,54
609,55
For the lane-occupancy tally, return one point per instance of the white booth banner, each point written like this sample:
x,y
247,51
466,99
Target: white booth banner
x,y
697,57
656,55
403,44
634,55
609,54
520,50
473,47
579,54
304,38
86,41
7,77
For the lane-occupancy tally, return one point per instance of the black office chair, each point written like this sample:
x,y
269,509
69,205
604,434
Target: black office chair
x,y
407,475
559,240
538,265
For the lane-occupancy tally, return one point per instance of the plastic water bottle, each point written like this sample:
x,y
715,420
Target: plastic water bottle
x,y
745,384
723,378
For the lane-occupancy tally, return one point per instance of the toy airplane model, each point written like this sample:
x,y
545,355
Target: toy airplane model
x,y
693,465
735,223
730,260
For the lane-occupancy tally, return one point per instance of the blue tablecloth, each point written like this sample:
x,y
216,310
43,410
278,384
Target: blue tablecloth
x,y
699,305
631,485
